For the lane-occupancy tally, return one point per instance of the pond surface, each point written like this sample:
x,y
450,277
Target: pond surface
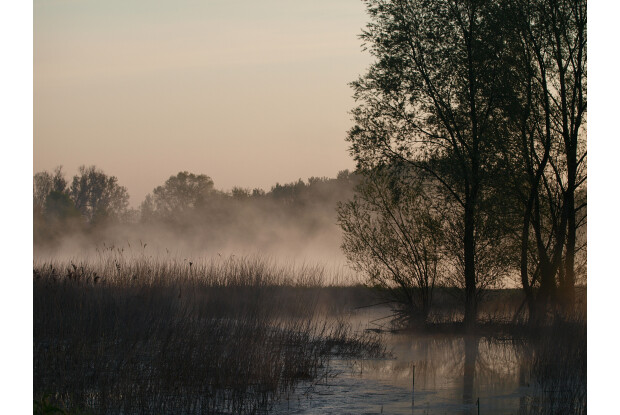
x,y
452,373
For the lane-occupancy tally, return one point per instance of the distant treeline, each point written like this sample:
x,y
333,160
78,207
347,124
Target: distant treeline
x,y
93,201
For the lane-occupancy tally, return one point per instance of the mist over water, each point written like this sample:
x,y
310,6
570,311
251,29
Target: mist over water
x,y
322,246
294,223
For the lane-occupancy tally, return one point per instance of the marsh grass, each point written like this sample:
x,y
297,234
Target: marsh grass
x,y
139,334
556,356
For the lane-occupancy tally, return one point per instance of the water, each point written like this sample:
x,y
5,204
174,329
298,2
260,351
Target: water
x,y
452,374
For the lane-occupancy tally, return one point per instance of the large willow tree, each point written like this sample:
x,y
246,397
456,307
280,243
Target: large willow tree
x,y
431,99
488,98
548,114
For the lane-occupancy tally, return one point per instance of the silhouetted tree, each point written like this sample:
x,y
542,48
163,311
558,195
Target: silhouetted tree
x,y
97,196
147,209
54,213
431,94
45,183
393,233
179,195
544,153
240,193
59,207
344,175
288,193
256,192
562,34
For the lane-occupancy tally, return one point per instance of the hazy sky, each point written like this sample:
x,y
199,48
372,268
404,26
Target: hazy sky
x,y
248,92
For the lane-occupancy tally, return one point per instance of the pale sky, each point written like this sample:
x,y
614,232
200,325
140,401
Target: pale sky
x,y
248,92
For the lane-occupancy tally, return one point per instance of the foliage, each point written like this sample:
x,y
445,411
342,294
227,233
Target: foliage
x,y
393,233
488,98
45,183
97,196
59,207
549,111
54,213
430,100
180,193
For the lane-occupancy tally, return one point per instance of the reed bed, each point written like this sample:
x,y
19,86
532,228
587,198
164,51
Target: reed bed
x,y
142,335
557,357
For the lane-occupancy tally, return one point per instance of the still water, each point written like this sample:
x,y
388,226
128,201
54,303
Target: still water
x,y
425,374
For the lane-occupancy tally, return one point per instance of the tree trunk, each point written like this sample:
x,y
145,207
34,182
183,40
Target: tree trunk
x,y
471,306
568,287
469,369
525,281
546,291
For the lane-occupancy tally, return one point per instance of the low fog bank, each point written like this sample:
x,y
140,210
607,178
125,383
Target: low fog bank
x,y
275,241
188,218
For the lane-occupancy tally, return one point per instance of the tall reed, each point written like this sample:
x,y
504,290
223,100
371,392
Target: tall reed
x,y
140,334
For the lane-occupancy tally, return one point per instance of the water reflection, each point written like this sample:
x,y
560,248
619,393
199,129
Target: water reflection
x,y
469,369
451,374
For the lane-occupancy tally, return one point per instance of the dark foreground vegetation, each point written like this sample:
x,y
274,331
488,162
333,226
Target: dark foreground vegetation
x,y
123,334
557,355
144,336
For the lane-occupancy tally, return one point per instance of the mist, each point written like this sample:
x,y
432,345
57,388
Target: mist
x,y
294,222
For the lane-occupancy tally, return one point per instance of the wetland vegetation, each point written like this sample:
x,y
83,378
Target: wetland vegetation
x,y
149,336
133,333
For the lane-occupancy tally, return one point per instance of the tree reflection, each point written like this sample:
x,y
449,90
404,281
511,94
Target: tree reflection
x,y
469,369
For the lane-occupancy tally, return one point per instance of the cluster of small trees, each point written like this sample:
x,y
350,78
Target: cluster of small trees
x,y
470,132
186,200
187,194
92,197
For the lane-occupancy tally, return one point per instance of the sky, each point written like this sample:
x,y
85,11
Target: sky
x,y
247,92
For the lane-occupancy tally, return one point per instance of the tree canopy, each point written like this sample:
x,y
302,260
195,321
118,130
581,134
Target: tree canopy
x,y
178,195
98,196
488,100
